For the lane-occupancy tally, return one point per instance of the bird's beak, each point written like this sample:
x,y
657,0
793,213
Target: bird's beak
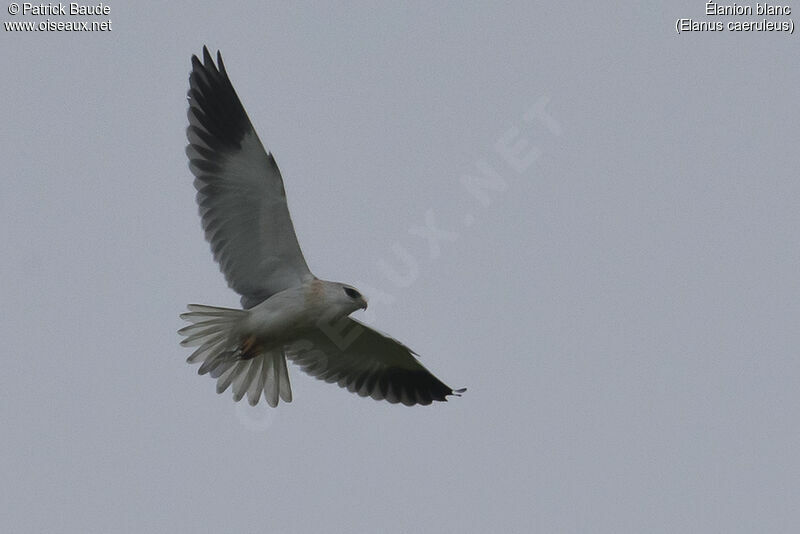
x,y
364,304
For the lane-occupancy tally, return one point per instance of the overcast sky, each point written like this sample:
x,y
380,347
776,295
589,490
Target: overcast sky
x,y
614,272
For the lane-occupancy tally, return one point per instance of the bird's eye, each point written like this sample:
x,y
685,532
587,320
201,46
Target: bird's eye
x,y
352,293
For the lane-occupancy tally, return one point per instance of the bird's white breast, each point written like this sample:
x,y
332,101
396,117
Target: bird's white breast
x,y
286,314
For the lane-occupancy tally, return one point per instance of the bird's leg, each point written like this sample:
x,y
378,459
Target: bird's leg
x,y
248,348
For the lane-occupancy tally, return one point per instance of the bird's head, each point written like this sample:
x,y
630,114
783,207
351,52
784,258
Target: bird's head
x,y
346,299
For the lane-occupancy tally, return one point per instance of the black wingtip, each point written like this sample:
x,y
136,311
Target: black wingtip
x,y
220,64
458,392
208,60
216,115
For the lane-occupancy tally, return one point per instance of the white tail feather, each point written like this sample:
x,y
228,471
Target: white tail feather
x,y
206,348
242,380
271,385
254,391
226,378
218,352
284,388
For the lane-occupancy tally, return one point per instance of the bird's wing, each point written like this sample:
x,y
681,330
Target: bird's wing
x,y
368,363
239,190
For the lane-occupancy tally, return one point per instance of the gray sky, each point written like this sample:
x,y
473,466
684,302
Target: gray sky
x,y
620,297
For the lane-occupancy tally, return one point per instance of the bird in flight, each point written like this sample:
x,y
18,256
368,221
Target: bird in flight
x,y
287,312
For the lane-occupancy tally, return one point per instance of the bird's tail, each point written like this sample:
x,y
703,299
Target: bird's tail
x,y
231,360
